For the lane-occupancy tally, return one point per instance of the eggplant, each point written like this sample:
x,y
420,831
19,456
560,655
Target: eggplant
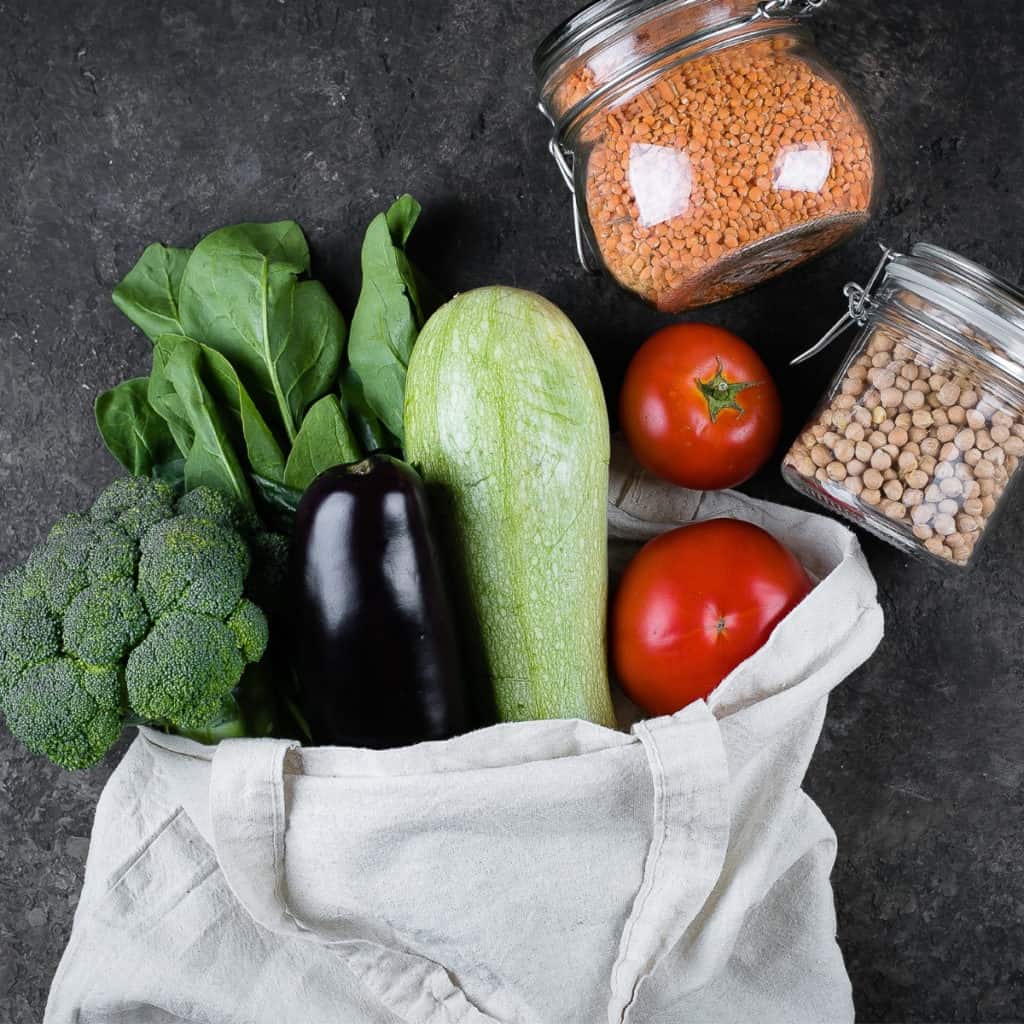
x,y
375,647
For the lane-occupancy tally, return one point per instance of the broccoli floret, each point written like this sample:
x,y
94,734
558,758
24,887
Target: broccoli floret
x,y
104,622
135,608
134,504
184,669
249,625
29,632
194,564
52,709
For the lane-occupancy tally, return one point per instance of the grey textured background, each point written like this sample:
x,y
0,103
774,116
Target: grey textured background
x,y
124,122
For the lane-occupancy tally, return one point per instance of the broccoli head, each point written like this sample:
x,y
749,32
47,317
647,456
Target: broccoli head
x,y
135,609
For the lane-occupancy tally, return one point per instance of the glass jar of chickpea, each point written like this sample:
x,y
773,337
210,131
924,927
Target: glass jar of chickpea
x,y
708,145
921,434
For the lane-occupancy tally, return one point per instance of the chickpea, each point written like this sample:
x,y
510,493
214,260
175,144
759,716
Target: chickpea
x,y
854,432
957,415
951,487
871,496
882,378
912,497
966,524
1014,446
923,514
895,510
946,433
899,437
923,532
893,490
881,460
863,451
836,471
984,470
855,467
854,485
999,433
937,547
943,471
949,394
931,446
975,419
964,440
923,418
873,479
907,461
820,455
973,507
844,450
944,524
969,399
949,453
877,439
917,479
1002,419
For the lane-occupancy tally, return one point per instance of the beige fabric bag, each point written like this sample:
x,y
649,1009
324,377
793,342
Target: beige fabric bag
x,y
542,873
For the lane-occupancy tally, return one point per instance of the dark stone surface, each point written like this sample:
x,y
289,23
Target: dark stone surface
x,y
124,122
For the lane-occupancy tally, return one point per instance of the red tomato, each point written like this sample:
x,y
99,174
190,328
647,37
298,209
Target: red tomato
x,y
699,407
694,604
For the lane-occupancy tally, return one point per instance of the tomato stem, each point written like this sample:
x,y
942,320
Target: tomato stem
x,y
720,393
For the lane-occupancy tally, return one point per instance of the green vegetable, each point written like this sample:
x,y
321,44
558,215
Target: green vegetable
x,y
178,392
250,391
149,294
389,314
137,610
505,419
325,440
135,433
241,295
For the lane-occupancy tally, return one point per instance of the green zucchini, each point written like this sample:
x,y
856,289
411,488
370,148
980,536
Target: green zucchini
x,y
506,421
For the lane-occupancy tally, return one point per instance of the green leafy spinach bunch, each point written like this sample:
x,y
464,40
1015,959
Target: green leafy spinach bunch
x,y
138,610
257,385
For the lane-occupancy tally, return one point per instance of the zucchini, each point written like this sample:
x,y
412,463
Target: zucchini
x,y
506,421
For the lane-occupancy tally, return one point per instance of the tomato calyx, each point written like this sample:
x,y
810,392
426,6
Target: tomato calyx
x,y
720,393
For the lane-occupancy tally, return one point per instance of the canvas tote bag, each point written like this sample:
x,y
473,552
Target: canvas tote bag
x,y
539,873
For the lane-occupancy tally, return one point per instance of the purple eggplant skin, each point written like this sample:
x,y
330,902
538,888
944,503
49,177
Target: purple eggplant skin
x,y
373,633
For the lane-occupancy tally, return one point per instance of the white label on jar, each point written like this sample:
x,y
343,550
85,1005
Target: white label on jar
x,y
662,180
803,167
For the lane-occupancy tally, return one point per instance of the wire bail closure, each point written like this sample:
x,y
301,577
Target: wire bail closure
x,y
789,8
861,305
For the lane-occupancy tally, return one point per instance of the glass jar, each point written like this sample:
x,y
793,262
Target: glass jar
x,y
708,145
921,433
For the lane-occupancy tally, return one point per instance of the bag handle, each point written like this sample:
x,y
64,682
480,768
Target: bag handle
x,y
248,818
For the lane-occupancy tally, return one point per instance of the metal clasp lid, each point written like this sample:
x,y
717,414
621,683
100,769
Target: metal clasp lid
x,y
861,303
789,8
562,161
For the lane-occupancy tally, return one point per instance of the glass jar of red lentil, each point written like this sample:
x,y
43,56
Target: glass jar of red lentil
x,y
921,433
708,145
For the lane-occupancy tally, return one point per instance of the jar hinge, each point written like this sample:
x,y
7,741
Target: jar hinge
x,y
565,169
789,8
861,304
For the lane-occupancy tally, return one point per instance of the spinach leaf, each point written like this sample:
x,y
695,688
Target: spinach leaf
x,y
325,440
241,295
261,448
371,434
390,312
149,293
279,501
177,391
133,431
